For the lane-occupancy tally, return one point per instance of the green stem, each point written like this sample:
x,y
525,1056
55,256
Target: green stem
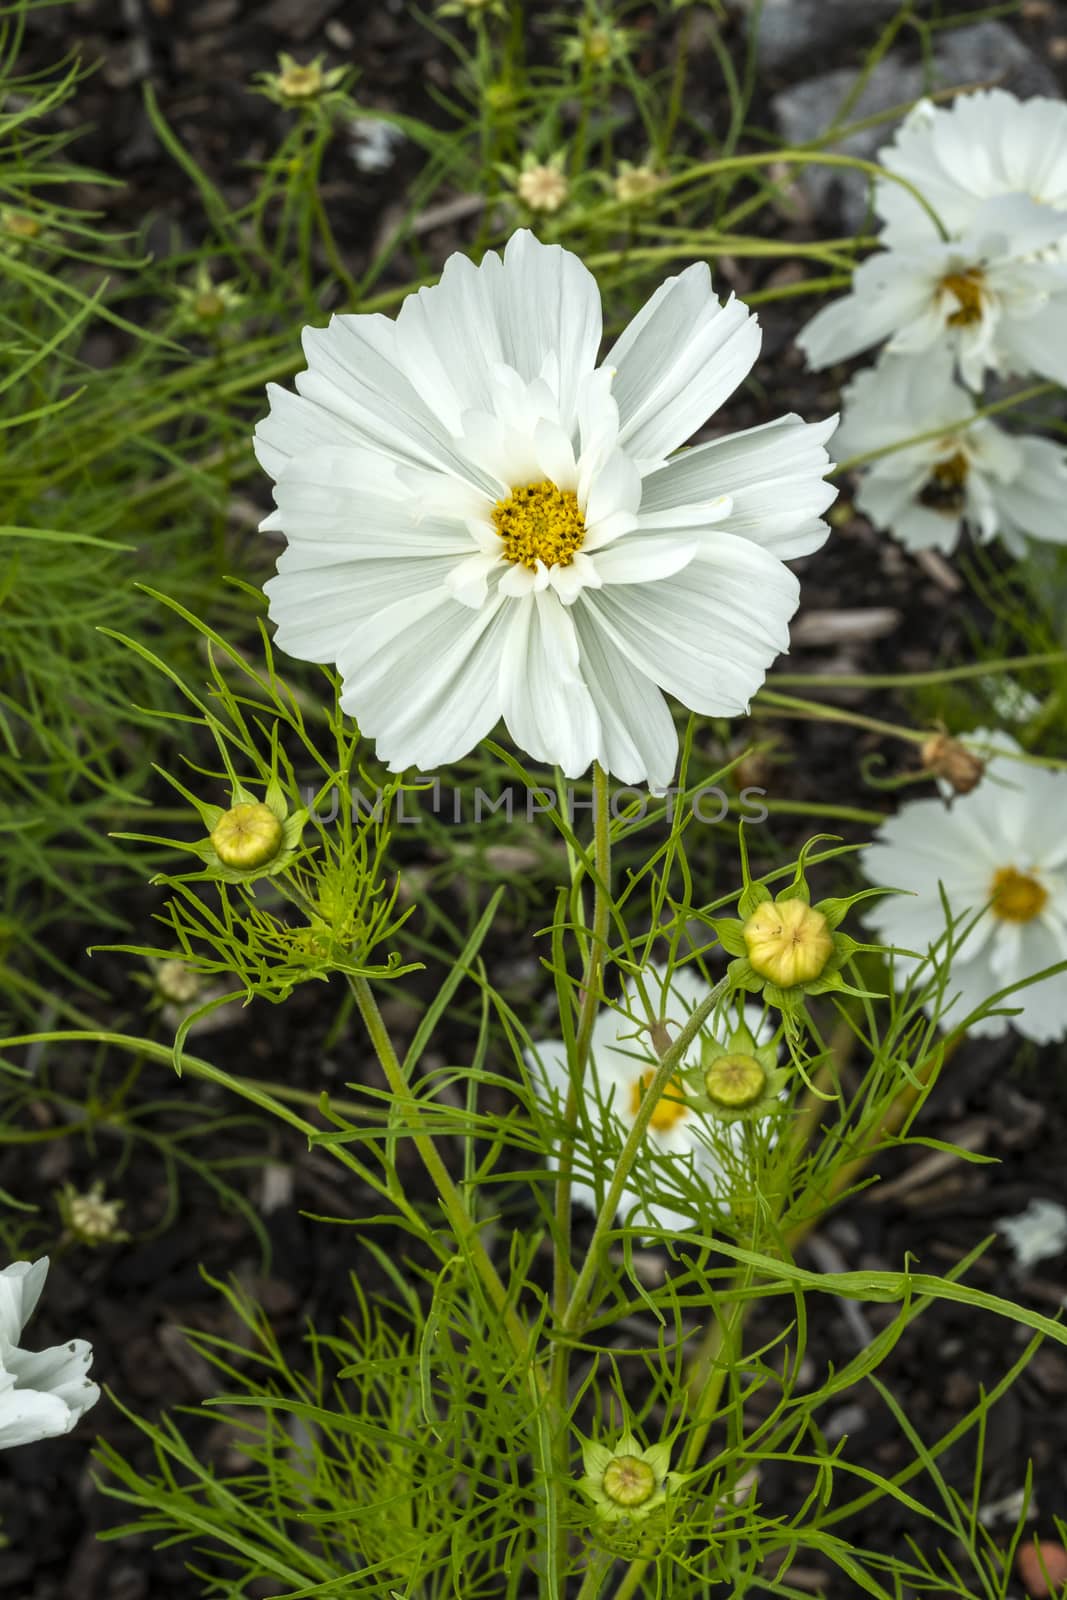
x,y
592,987
463,1225
669,1063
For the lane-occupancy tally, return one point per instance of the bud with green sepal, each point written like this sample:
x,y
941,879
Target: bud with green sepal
x,y
736,1080
248,839
627,1481
786,948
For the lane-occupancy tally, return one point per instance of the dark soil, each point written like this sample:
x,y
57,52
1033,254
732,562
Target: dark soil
x,y
995,1098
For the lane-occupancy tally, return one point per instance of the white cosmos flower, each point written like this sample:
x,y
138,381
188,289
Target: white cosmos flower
x,y
1002,847
41,1394
620,1066
988,295
1011,486
483,523
983,145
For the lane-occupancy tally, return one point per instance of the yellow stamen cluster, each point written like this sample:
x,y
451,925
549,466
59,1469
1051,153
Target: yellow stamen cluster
x,y
629,1481
669,1108
735,1082
540,523
945,489
248,835
1016,896
788,942
967,287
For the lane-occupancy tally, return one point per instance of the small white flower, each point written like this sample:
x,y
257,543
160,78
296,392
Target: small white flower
x,y
1036,1233
1011,486
621,1065
484,524
984,145
43,1394
988,295
1002,847
373,143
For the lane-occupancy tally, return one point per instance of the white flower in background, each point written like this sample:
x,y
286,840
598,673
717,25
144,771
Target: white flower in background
x,y
620,1068
1037,1233
483,524
373,143
983,145
1002,847
41,1394
1001,485
987,296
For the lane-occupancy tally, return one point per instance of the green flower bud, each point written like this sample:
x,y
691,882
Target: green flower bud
x,y
248,835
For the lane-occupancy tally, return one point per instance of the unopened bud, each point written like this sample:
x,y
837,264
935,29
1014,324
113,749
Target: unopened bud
x,y
629,1481
248,835
947,758
788,942
735,1082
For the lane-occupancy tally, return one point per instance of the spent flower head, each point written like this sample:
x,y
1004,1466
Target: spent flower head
x,y
543,185
88,1217
634,184
204,304
297,84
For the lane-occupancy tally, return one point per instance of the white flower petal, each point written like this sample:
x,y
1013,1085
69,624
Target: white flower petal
x,y
709,634
773,474
547,707
679,359
638,739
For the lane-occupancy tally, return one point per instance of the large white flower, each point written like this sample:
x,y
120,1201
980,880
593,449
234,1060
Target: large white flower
x,y
678,1140
483,523
1009,485
1002,847
983,145
41,1394
989,295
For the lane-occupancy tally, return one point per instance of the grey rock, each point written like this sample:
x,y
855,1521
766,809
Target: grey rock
x,y
789,29
986,54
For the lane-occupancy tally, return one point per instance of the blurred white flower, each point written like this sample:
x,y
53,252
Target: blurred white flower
x,y
1002,847
621,1065
372,143
983,145
987,295
1036,1233
1011,486
482,523
42,1394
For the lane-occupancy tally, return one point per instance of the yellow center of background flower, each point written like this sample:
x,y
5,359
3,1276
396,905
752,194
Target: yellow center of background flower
x,y
628,1480
540,523
945,489
1016,896
735,1082
669,1108
967,287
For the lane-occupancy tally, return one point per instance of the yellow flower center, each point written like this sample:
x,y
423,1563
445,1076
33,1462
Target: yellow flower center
x,y
1016,896
540,523
967,287
629,1481
735,1082
248,835
669,1108
945,489
788,942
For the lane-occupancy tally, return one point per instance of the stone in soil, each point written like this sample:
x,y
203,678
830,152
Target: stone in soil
x,y
792,29
987,53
